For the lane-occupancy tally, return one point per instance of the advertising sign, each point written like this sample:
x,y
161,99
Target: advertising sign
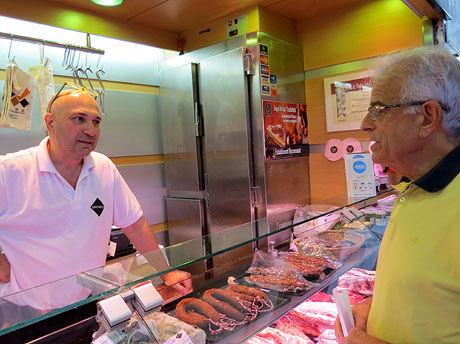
x,y
359,170
347,100
285,129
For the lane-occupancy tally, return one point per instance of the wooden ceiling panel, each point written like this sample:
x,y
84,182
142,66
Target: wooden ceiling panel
x,y
128,9
302,9
181,15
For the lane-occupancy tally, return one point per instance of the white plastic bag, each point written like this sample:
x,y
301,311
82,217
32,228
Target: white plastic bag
x,y
18,94
44,82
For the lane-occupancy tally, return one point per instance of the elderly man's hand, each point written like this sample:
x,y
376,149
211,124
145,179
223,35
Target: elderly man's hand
x,y
4,269
358,336
179,280
360,315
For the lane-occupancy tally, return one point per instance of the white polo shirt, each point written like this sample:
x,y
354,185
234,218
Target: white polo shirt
x,y
48,230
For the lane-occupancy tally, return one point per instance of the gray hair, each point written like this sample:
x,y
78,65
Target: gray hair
x,y
427,73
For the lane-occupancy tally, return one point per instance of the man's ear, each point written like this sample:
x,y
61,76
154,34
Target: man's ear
x,y
432,118
49,121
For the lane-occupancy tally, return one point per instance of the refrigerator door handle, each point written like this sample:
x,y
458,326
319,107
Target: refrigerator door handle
x,y
196,119
249,64
256,196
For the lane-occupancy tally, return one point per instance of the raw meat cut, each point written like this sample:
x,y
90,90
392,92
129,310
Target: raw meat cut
x,y
359,281
313,317
274,336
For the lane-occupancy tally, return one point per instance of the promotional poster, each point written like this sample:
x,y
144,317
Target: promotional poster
x,y
285,129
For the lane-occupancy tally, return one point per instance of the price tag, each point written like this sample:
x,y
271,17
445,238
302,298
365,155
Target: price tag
x,y
179,338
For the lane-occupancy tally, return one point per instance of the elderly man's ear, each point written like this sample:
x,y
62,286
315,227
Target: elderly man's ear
x,y
431,118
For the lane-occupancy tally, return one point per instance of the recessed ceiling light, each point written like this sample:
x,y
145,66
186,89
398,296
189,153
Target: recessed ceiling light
x,y
108,2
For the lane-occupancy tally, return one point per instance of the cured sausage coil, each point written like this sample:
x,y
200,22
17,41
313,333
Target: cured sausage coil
x,y
247,291
224,302
196,312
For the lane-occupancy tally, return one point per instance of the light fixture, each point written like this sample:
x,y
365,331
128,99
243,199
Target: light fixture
x,y
107,2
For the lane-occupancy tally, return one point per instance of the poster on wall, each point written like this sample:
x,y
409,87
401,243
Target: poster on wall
x,y
285,129
347,98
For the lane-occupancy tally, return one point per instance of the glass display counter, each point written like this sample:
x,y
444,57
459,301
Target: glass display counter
x,y
215,261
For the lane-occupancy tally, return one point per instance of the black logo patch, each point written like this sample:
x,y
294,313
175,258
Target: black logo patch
x,y
97,207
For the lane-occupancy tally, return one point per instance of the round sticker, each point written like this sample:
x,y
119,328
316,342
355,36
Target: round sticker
x,y
333,150
352,145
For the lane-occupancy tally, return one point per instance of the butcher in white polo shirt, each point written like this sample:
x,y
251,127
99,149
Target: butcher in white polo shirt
x,y
59,200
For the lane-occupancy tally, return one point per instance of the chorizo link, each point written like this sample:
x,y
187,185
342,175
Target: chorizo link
x,y
253,292
224,302
196,312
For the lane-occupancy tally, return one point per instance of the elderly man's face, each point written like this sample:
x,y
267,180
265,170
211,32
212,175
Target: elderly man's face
x,y
76,124
394,132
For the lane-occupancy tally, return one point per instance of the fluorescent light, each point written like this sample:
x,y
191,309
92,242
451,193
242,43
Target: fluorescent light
x,y
107,2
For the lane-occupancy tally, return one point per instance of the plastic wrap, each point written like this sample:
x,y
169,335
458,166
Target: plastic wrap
x,y
274,273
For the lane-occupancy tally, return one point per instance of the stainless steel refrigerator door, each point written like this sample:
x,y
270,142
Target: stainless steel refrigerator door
x,y
224,100
178,104
186,227
185,220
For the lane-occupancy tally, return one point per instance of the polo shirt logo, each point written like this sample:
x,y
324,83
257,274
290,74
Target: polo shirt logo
x,y
97,207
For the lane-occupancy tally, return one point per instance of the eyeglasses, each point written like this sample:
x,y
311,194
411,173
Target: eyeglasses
x,y
78,88
374,111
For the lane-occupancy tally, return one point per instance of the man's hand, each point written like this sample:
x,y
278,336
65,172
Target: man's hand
x,y
360,314
358,336
4,269
179,280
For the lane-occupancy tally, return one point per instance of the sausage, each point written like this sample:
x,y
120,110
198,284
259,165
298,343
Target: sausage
x,y
225,303
273,282
196,312
248,291
308,260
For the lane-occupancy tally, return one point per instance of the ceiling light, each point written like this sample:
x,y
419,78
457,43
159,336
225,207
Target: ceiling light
x,y
107,2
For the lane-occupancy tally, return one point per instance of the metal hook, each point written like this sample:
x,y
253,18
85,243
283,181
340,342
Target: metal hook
x,y
75,73
99,59
87,78
65,56
99,78
74,52
11,43
42,52
101,92
78,60
69,59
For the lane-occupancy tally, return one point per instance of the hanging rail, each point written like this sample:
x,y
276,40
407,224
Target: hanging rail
x,y
87,49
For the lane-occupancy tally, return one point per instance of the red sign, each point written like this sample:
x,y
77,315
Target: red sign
x,y
285,129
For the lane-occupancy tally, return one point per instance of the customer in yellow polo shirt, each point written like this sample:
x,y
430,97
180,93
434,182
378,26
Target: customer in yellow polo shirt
x,y
414,120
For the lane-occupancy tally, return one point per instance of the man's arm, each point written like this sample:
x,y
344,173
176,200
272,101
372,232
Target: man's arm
x,y
141,236
4,269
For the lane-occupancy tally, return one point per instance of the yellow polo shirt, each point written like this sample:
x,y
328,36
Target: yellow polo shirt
x,y
417,288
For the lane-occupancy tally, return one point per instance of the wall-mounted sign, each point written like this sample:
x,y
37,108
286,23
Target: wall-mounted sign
x,y
285,129
347,99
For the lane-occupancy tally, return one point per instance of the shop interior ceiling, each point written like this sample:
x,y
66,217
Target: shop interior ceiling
x,y
181,15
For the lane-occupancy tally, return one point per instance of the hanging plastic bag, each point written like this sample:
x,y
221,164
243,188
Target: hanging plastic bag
x,y
44,82
18,94
6,92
